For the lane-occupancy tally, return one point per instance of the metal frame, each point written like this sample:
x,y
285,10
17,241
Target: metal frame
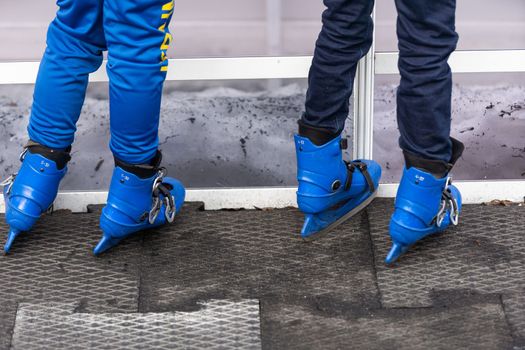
x,y
495,61
364,105
473,192
296,67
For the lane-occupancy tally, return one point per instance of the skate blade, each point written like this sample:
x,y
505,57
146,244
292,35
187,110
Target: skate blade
x,y
342,219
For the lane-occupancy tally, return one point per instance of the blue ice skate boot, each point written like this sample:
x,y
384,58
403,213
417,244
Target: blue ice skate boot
x,y
32,191
331,190
426,202
140,197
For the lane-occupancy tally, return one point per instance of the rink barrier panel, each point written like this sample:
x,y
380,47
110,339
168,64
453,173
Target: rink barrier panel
x,y
297,67
293,67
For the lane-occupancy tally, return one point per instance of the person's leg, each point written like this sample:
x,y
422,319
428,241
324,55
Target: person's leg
x,y
346,37
426,203
427,37
75,41
137,36
330,189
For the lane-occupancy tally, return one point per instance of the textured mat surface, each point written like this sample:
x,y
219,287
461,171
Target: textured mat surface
x,y
54,263
461,289
485,254
218,325
473,324
254,254
7,322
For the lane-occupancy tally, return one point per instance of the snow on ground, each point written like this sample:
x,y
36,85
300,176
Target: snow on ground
x,y
222,137
489,120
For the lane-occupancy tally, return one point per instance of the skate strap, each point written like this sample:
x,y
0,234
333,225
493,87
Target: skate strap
x,y
359,165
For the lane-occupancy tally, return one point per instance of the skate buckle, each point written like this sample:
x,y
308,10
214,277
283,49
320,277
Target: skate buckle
x,y
441,213
168,201
448,202
171,210
155,210
452,202
158,180
454,214
157,203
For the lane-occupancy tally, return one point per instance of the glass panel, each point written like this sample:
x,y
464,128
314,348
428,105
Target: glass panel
x,y
481,24
488,116
213,134
201,28
209,28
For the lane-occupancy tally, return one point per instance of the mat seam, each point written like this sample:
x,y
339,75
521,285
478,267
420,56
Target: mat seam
x,y
372,252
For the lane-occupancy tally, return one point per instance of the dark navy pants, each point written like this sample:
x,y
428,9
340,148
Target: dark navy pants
x,y
426,33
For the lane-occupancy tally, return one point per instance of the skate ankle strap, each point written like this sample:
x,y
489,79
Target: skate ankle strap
x,y
362,167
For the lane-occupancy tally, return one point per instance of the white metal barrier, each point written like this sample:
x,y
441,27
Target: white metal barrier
x,y
495,61
292,67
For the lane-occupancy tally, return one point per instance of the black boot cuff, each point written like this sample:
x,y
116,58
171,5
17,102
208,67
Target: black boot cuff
x,y
438,168
60,157
318,136
143,171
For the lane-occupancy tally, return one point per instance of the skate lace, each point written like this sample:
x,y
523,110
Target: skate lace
x,y
11,179
448,202
159,189
8,183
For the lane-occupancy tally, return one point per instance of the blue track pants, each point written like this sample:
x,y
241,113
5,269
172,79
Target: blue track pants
x,y
135,34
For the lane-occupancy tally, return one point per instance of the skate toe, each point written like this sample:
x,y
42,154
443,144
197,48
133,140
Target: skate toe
x,y
395,252
105,244
13,233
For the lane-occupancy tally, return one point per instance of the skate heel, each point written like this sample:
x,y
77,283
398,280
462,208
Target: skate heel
x,y
140,198
331,190
31,192
424,206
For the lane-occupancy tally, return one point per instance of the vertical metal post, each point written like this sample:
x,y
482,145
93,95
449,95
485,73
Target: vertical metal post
x,y
274,33
364,105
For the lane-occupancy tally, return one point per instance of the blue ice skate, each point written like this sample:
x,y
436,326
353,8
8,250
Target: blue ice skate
x,y
424,205
135,204
33,190
331,190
